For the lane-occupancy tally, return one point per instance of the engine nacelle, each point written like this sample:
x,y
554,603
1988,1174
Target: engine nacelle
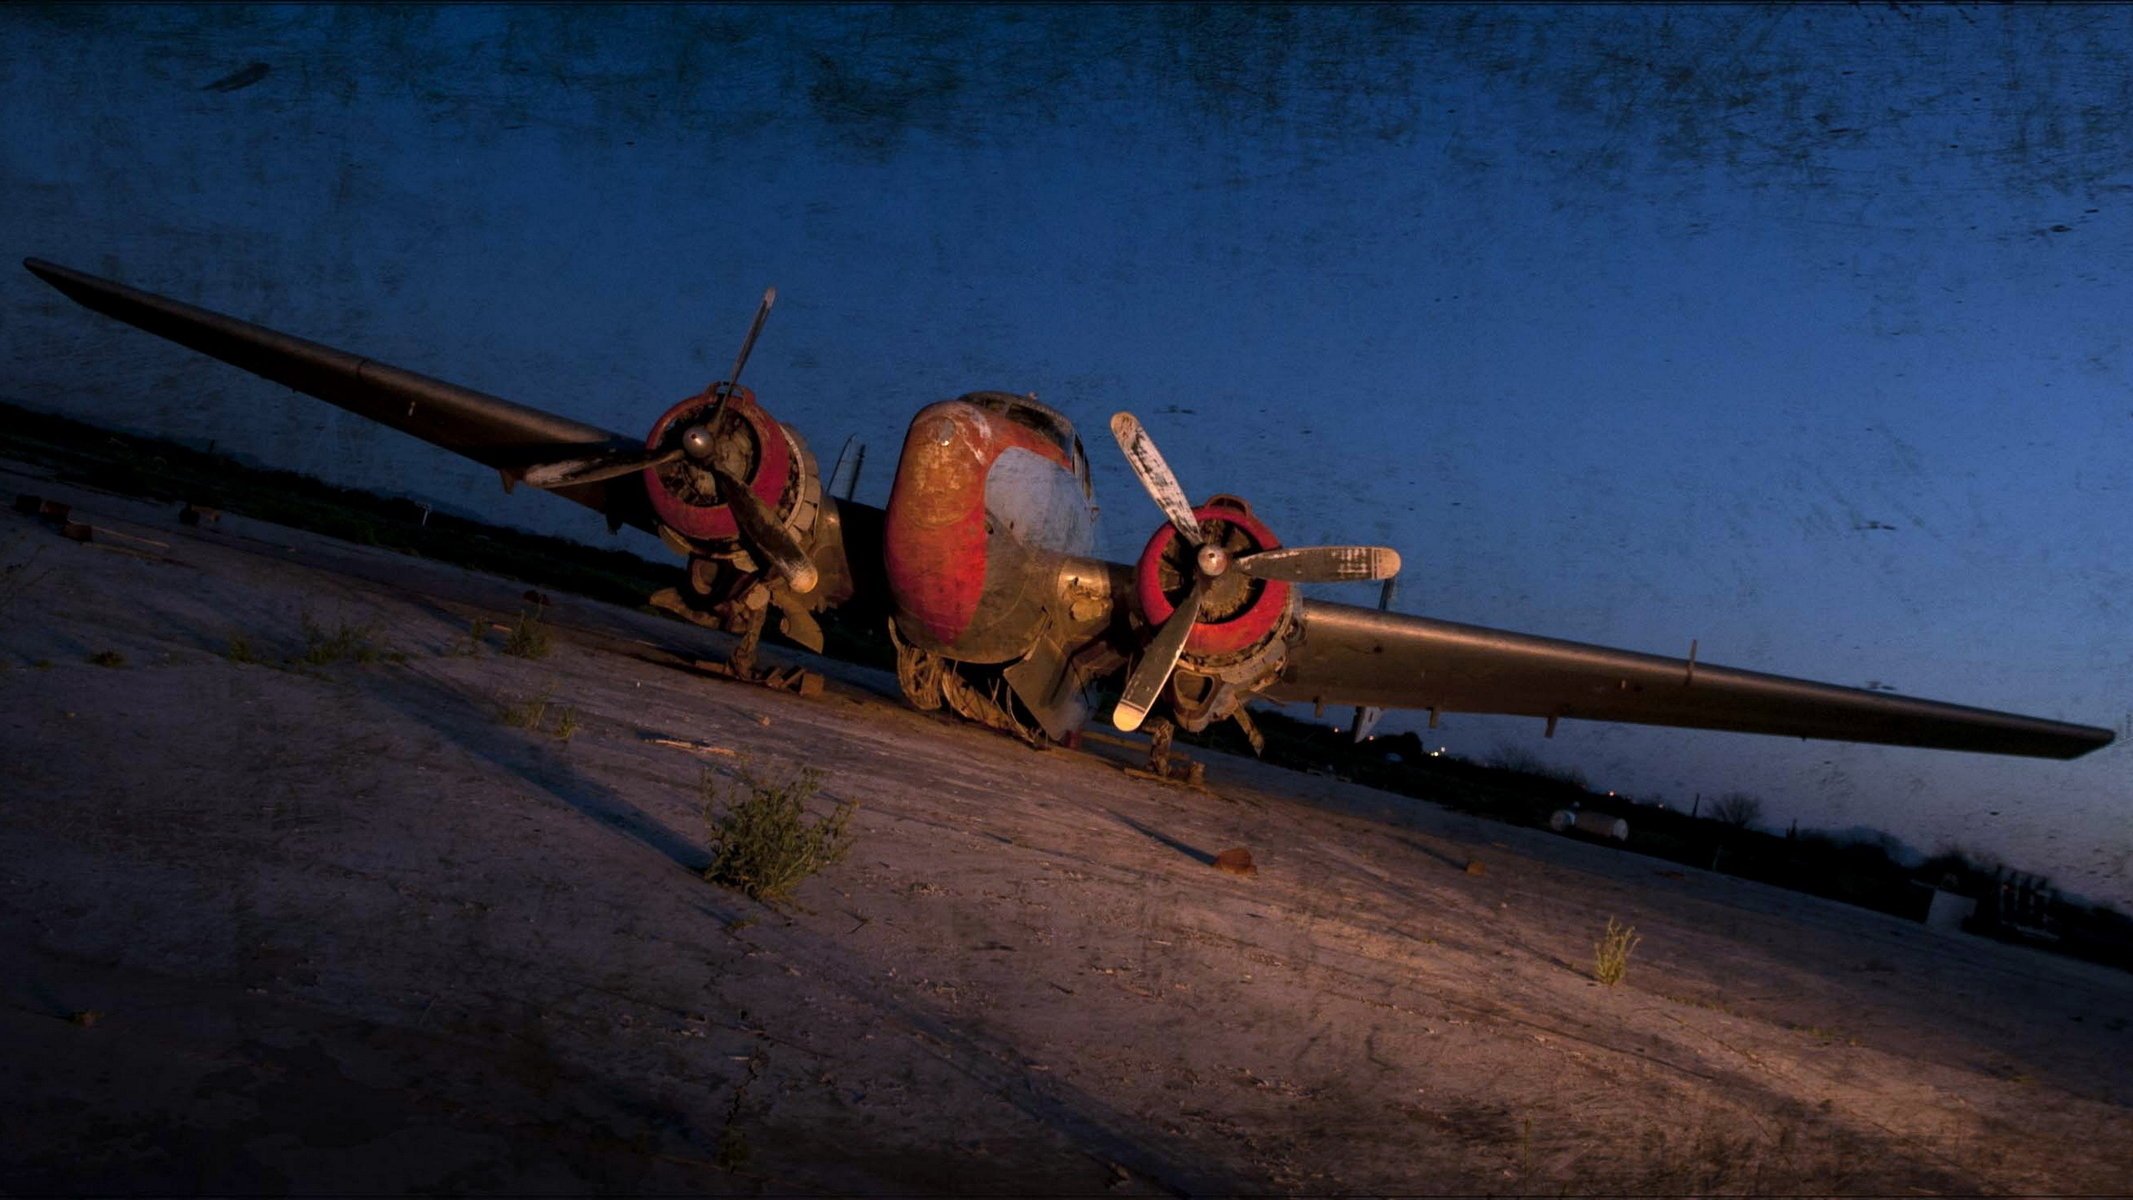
x,y
1241,639
756,448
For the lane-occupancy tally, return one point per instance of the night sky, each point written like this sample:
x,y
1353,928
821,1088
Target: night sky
x,y
1798,331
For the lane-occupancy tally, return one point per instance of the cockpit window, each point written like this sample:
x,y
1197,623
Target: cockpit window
x,y
1028,413
1040,418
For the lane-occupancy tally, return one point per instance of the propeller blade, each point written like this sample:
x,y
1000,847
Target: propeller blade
x,y
764,536
1322,564
1155,475
762,313
574,471
725,388
1157,662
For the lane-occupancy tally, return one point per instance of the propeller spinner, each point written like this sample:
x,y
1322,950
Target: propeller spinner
x,y
1211,561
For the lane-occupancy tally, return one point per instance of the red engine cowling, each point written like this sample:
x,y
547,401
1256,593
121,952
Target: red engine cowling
x,y
762,451
1241,618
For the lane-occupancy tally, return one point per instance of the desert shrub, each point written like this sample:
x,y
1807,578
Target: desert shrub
x,y
1509,757
762,843
108,658
528,637
1738,809
1610,955
342,643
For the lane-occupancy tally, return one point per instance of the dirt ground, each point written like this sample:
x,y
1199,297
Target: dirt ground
x,y
342,928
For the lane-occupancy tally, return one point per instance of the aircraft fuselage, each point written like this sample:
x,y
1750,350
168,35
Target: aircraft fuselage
x,y
991,496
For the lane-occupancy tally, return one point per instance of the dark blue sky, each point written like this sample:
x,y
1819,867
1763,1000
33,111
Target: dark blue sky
x,y
1798,331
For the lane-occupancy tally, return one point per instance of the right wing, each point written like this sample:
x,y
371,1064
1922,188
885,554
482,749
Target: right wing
x,y
494,432
1362,656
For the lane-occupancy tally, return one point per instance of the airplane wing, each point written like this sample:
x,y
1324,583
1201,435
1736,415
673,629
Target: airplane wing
x,y
1349,655
491,431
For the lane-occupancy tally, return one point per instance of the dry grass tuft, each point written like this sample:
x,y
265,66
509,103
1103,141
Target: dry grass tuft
x,y
527,713
528,637
342,643
1610,955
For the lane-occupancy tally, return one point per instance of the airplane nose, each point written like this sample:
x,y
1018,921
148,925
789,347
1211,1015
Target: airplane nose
x,y
942,476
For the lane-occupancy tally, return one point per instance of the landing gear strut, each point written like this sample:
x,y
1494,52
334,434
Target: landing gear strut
x,y
723,598
1161,731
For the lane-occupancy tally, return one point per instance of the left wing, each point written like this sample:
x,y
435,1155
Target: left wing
x,y
1349,655
492,431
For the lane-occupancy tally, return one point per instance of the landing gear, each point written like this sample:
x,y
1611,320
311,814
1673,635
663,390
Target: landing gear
x,y
724,595
1161,765
929,681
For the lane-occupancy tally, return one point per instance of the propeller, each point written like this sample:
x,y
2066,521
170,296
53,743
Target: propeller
x,y
1291,564
758,524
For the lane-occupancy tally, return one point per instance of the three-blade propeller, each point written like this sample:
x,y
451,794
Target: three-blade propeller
x,y
756,521
1292,564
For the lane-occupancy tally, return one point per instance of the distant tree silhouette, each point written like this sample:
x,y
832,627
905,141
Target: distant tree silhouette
x,y
1738,809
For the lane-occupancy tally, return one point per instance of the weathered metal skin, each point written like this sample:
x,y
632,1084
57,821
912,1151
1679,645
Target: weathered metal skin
x,y
764,457
983,508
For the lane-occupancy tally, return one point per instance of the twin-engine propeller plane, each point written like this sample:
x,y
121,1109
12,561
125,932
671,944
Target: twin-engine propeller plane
x,y
984,563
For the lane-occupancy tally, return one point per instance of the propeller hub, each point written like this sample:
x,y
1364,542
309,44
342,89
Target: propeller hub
x,y
697,442
1213,560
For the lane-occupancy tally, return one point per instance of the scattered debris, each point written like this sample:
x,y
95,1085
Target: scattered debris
x,y
693,747
197,515
798,680
86,1018
1474,867
1183,774
1236,861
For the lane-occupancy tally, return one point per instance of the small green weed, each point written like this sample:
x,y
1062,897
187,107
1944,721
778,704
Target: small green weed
x,y
108,658
476,631
1610,955
528,637
762,843
527,713
566,723
239,650
732,1149
342,643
